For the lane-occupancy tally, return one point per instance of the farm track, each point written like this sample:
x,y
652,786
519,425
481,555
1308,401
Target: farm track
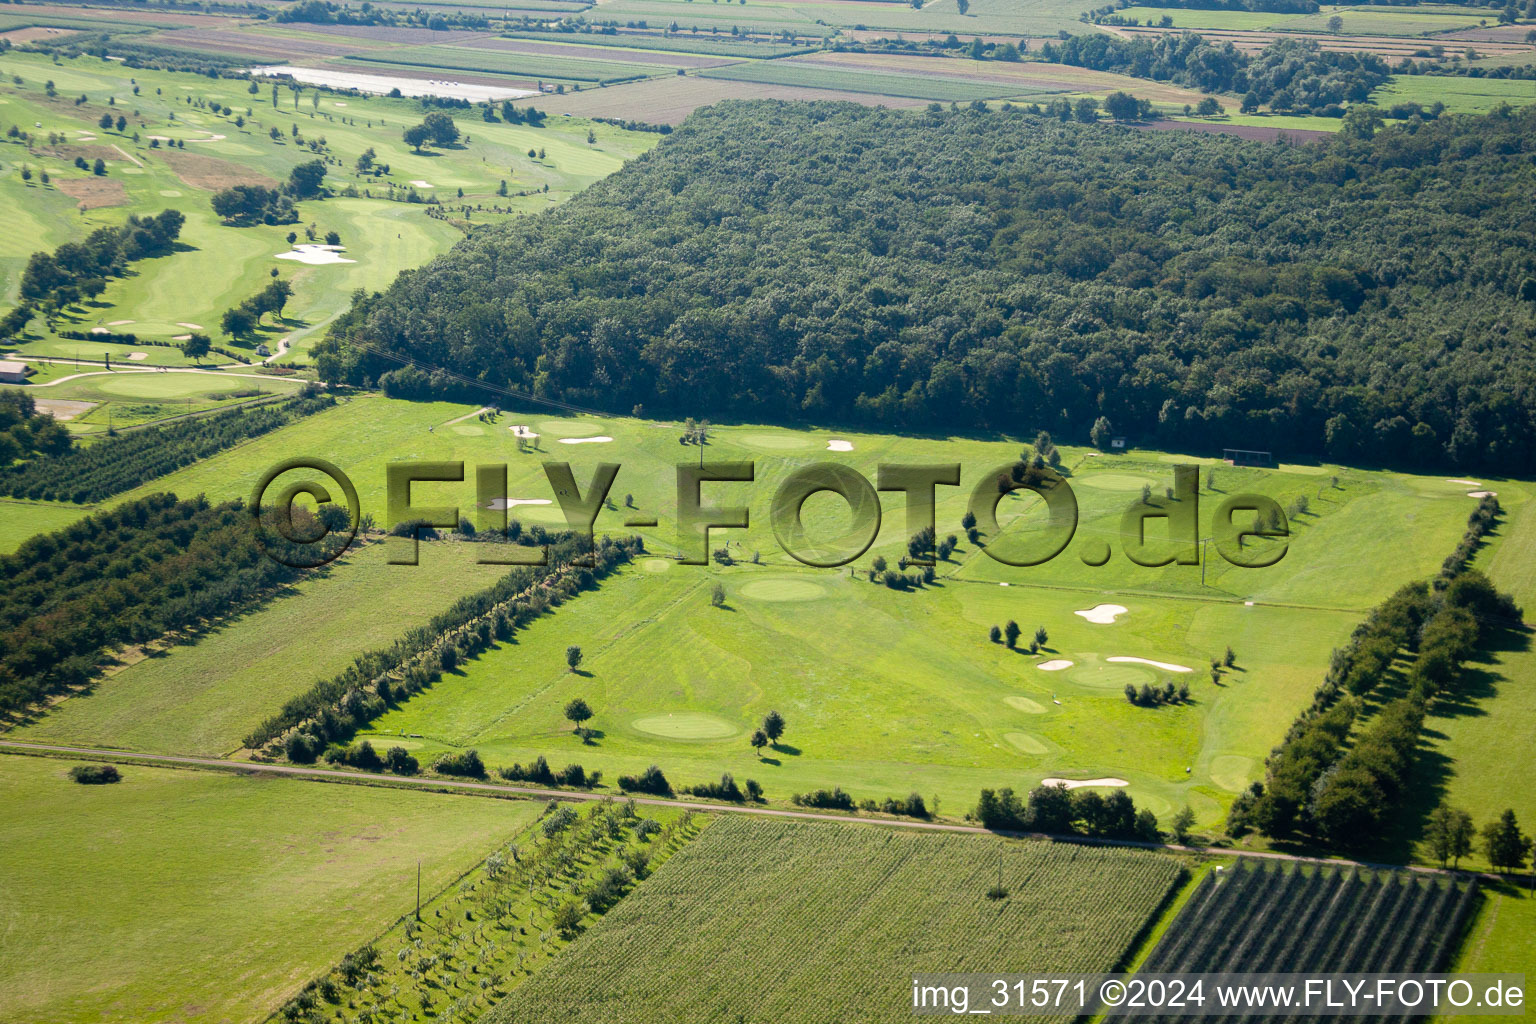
x,y
494,788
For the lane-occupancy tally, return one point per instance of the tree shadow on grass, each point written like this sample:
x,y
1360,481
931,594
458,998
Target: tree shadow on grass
x,y
786,749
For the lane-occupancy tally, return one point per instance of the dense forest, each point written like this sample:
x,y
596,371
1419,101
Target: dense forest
x,y
126,576
1372,298
25,432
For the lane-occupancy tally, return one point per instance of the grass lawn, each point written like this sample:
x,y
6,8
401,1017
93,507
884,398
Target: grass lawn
x,y
1502,938
1460,95
201,896
809,923
204,697
20,520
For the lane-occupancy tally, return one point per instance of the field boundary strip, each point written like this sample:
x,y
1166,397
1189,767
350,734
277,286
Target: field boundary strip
x,y
495,789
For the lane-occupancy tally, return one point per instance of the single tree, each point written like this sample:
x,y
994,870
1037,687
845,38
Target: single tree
x,y
1335,24
196,346
1101,432
759,741
1230,658
1507,847
995,634
1041,636
578,711
1011,633
1181,823
717,596
773,726
573,657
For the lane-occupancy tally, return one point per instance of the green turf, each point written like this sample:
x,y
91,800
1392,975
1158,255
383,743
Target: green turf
x,y
505,62
207,897
20,520
1460,95
809,923
889,691
204,698
1501,938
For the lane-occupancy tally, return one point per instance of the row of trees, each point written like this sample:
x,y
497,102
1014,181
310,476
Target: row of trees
x,y
332,709
79,270
245,317
966,270
1449,835
127,576
1057,810
246,204
115,464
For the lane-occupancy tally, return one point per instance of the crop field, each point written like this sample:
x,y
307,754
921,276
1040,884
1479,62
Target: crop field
x,y
670,100
501,62
1417,20
203,896
657,45
810,923
1289,919
975,714
493,929
1460,95
204,696
819,76
382,237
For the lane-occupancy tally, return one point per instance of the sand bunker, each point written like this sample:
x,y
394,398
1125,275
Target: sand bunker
x,y
315,255
1078,783
182,337
502,504
1103,614
422,184
1165,666
100,330
1054,666
599,439
136,356
1466,483
1482,494
190,327
119,323
835,445
523,432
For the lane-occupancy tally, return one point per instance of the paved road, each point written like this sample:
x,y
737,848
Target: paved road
x,y
302,772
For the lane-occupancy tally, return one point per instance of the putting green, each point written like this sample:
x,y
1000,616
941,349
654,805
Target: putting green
x,y
686,725
656,565
1025,742
166,385
775,442
1231,772
1110,677
783,590
1026,705
570,428
1116,481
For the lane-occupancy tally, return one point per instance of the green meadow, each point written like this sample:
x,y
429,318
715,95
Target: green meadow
x,y
886,692
1460,95
1414,20
210,896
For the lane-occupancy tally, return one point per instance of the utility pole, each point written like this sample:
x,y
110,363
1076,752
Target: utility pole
x,y
418,891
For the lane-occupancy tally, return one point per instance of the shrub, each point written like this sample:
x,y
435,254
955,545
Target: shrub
x,y
400,761
649,781
833,799
95,774
466,764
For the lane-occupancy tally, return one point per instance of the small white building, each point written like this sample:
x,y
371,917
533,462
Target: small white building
x,y
12,372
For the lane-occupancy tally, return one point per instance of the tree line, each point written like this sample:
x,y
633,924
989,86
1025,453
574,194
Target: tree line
x,y
999,271
129,575
331,710
1347,794
1057,810
122,462
79,270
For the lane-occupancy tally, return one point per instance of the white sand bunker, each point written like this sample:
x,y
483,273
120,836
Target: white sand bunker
x,y
522,431
502,504
136,356
100,330
599,439
315,255
182,337
1165,666
1466,483
1482,494
1079,783
836,445
1054,666
190,327
119,323
1103,614
211,137
423,184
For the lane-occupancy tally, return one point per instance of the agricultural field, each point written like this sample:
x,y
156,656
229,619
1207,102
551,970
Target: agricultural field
x,y
510,917
976,715
203,696
208,896
1460,95
518,64
1413,20
384,229
808,923
1287,918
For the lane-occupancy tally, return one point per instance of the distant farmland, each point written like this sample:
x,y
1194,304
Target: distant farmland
x,y
802,923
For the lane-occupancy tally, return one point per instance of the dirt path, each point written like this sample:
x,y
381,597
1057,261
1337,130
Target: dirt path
x,y
492,788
